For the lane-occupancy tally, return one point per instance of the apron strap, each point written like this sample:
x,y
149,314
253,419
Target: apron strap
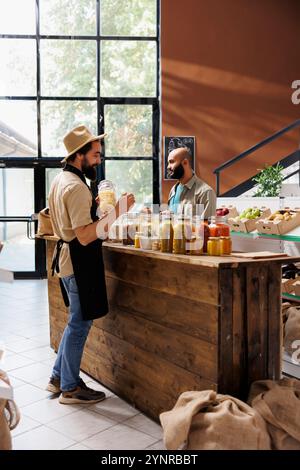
x,y
55,260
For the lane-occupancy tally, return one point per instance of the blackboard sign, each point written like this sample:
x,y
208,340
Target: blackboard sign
x,y
172,143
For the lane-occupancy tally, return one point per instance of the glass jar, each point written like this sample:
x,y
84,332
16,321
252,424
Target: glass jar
x,y
218,227
130,225
166,233
137,243
213,246
225,246
182,233
107,195
195,245
145,225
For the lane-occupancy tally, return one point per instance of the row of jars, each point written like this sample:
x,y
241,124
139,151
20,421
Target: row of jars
x,y
179,234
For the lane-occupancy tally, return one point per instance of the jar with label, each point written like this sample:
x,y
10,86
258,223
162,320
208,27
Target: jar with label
x,y
213,246
107,195
130,225
218,227
166,233
225,246
145,225
182,234
137,243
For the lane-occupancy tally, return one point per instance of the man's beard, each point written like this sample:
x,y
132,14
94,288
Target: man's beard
x,y
177,173
89,171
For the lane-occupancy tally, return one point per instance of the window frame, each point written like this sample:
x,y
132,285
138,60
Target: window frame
x,y
39,163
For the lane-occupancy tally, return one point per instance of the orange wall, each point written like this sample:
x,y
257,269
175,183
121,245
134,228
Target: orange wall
x,y
227,69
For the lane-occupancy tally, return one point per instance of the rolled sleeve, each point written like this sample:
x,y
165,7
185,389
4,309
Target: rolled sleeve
x,y
78,202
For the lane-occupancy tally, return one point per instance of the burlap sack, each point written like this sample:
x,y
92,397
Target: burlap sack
x,y
44,223
9,418
209,421
279,404
291,333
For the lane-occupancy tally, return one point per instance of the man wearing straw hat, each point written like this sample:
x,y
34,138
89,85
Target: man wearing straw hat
x,y
78,259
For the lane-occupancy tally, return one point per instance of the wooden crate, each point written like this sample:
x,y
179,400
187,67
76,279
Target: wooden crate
x,y
247,225
279,227
232,210
287,285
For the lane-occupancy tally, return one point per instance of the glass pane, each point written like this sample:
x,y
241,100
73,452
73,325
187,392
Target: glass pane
x,y
129,130
68,68
50,175
128,68
16,192
17,17
59,117
18,128
18,253
18,67
68,17
128,17
131,176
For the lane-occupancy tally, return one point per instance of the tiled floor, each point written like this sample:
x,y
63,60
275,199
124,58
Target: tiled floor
x,y
45,424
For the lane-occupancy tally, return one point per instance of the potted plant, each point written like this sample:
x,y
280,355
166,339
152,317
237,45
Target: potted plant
x,y
269,181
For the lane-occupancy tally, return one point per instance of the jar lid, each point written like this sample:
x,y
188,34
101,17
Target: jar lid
x,y
214,238
225,238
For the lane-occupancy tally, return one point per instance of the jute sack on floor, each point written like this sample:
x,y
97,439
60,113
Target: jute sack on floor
x,y
208,421
291,336
9,418
279,404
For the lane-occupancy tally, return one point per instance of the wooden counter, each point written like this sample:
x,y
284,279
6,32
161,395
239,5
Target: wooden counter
x,y
180,323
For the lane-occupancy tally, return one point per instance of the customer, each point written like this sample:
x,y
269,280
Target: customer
x,y
189,189
78,259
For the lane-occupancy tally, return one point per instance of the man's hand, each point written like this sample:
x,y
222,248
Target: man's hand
x,y
125,202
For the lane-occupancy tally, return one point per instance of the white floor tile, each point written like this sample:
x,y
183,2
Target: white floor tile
x,y
23,346
78,447
159,445
82,424
32,372
48,410
41,438
15,362
119,437
146,425
40,354
27,394
25,424
115,409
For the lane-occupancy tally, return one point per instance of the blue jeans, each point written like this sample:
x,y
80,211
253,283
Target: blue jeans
x,y
67,364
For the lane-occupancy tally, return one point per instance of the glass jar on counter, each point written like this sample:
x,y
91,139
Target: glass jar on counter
x,y
107,195
166,233
218,227
182,233
195,245
213,246
145,224
225,246
130,225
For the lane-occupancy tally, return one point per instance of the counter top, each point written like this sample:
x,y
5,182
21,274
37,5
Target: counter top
x,y
202,260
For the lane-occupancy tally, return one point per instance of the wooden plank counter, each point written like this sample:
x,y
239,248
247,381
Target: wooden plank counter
x,y
180,323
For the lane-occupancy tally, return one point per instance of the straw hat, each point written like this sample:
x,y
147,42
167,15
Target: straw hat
x,y
77,138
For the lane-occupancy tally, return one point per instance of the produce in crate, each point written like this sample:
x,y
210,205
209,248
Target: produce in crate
x,y
229,211
245,222
280,222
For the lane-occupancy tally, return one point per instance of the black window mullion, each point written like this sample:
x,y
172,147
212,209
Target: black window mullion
x,y
38,77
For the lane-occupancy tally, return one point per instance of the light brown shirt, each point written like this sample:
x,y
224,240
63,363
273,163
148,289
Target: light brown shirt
x,y
70,202
196,191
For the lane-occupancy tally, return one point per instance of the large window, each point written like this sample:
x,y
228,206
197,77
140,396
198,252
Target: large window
x,y
71,62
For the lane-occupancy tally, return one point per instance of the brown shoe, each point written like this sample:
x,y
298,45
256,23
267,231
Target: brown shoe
x,y
53,385
81,395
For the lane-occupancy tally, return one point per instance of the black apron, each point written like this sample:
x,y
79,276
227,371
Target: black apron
x,y
88,269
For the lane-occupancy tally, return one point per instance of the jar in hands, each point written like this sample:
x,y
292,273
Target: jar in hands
x,y
218,227
166,233
107,195
182,234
